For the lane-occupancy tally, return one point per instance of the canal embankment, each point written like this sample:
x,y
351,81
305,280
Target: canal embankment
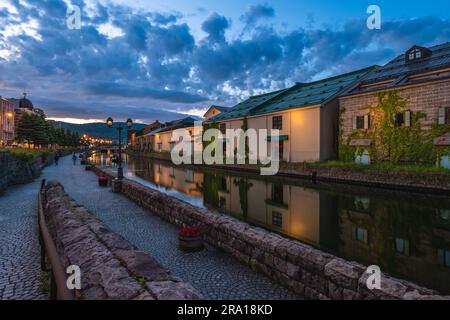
x,y
19,170
111,268
400,179
304,269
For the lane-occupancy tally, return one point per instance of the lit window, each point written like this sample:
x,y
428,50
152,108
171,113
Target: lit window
x,y
361,234
444,257
277,219
444,214
190,175
402,246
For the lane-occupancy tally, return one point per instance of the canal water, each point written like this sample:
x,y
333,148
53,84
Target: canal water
x,y
406,234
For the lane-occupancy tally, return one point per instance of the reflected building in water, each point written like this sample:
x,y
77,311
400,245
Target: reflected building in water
x,y
406,235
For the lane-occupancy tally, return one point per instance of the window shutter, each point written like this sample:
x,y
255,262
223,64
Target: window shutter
x,y
408,118
354,122
366,236
441,115
367,121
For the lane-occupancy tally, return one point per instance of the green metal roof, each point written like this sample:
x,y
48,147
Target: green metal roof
x,y
244,108
301,95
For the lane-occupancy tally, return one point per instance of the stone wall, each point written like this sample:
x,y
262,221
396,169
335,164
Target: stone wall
x,y
300,267
111,268
16,171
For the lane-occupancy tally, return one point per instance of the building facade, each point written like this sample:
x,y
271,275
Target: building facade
x,y
159,137
306,116
7,122
409,94
214,111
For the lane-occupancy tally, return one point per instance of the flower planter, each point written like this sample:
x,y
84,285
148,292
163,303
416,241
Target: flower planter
x,y
190,239
103,181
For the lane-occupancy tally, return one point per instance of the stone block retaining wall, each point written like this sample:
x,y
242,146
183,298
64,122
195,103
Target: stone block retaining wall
x,y
111,268
16,171
300,267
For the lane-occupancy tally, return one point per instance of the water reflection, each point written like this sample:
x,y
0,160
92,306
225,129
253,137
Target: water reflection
x,y
407,235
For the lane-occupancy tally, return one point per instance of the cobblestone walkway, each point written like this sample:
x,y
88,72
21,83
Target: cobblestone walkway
x,y
213,273
19,245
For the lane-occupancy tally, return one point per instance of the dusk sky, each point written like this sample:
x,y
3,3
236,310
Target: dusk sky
x,y
162,59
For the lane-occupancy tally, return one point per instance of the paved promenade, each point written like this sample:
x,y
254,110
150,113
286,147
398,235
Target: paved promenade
x,y
19,245
213,273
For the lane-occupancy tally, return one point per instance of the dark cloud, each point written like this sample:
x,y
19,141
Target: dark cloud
x,y
258,12
215,26
155,64
134,91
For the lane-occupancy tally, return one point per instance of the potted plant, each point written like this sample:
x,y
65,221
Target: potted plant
x,y
190,239
103,181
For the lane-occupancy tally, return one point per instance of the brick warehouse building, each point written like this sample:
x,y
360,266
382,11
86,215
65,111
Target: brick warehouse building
x,y
421,77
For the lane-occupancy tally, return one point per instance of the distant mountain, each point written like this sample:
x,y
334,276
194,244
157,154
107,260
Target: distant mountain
x,y
97,130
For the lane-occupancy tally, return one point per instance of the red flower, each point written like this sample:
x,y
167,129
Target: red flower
x,y
190,232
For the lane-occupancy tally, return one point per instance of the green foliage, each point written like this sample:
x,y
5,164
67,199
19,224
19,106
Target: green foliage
x,y
411,145
244,186
27,154
33,128
388,166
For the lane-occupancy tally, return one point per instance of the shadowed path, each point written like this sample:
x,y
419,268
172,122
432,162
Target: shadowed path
x,y
19,245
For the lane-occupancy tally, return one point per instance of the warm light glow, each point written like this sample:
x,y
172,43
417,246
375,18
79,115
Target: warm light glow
x,y
75,120
9,114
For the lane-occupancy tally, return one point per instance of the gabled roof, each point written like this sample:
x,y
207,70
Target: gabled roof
x,y
299,96
220,108
244,108
173,125
399,71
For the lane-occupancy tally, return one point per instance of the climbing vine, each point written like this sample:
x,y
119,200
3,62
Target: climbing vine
x,y
397,144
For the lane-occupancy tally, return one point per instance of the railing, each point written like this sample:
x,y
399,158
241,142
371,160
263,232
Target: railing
x,y
58,282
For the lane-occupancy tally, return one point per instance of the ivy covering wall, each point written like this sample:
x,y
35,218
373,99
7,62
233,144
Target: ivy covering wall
x,y
397,144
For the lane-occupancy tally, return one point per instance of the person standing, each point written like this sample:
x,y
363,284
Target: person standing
x,y
74,158
56,159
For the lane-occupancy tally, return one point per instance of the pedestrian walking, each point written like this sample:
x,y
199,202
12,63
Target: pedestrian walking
x,y
56,159
74,158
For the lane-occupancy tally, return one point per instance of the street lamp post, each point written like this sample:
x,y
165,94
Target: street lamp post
x,y
110,122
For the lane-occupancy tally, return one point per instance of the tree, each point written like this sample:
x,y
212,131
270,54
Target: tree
x,y
33,129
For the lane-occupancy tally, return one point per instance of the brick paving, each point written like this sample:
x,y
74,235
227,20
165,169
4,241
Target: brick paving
x,y
216,275
19,245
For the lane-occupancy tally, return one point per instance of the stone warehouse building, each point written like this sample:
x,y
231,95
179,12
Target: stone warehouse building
x,y
306,115
421,79
7,126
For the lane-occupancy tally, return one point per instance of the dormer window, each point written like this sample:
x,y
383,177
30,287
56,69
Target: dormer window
x,y
417,53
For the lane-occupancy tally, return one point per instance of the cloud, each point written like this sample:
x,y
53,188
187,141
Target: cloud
x,y
215,26
154,64
124,90
257,13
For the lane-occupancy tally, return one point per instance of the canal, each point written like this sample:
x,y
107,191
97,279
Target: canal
x,y
406,234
